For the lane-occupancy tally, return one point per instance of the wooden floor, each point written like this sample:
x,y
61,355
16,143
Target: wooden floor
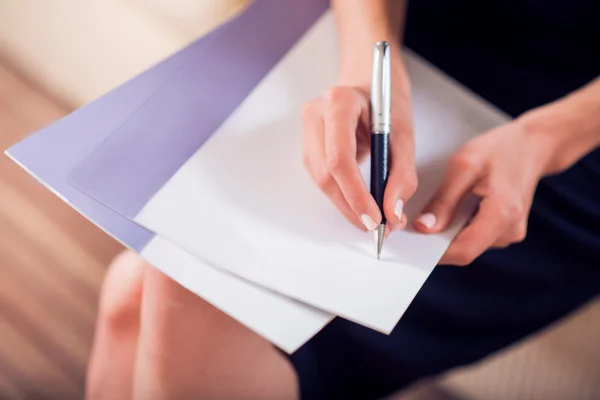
x,y
52,262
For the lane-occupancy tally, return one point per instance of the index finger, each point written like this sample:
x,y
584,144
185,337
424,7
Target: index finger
x,y
489,224
341,120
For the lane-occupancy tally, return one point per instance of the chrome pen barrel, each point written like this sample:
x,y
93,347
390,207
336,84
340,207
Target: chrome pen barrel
x,y
380,89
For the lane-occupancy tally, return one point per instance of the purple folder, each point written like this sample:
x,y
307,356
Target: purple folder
x,y
148,149
122,163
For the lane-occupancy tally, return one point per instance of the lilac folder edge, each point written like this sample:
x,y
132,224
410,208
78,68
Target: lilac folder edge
x,y
131,165
50,154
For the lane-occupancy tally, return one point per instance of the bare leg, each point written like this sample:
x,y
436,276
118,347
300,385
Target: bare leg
x,y
189,349
111,367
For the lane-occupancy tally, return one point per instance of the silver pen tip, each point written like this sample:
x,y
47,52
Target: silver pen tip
x,y
379,235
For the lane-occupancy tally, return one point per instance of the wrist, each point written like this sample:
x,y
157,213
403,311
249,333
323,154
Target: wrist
x,y
541,145
569,127
360,25
559,135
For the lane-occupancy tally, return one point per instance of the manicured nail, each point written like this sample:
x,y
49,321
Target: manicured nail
x,y
398,208
427,220
368,222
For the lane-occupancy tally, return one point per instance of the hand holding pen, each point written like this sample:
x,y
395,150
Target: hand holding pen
x,y
337,137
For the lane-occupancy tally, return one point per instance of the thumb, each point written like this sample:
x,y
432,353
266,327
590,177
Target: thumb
x,y
402,180
438,214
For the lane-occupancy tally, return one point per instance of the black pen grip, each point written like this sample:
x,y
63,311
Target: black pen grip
x,y
379,168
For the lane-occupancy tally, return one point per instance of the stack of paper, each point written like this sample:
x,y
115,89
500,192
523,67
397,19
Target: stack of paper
x,y
196,165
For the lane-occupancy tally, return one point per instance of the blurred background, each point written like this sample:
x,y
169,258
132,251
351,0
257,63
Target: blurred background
x,y
58,55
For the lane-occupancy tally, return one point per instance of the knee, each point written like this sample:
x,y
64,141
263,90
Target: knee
x,y
120,298
173,317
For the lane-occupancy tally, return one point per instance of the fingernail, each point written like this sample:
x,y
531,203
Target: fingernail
x,y
368,222
427,220
398,208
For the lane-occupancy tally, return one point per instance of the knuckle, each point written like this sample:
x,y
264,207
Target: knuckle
x,y
511,209
336,160
466,160
334,95
323,180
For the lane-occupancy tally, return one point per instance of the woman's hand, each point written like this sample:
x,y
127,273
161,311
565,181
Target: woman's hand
x,y
502,167
336,133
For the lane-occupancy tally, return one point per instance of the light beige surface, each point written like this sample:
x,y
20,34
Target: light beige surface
x,y
79,49
560,363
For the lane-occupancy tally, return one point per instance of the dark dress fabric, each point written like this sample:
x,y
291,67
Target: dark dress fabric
x,y
517,54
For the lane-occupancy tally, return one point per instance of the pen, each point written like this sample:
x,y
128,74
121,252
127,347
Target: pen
x,y
380,132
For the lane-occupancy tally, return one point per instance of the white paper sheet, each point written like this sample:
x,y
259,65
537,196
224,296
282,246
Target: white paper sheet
x,y
245,203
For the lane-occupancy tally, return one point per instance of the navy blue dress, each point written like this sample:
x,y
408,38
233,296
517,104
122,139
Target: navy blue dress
x,y
518,54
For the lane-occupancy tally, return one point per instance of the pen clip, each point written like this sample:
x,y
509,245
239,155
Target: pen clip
x,y
380,89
